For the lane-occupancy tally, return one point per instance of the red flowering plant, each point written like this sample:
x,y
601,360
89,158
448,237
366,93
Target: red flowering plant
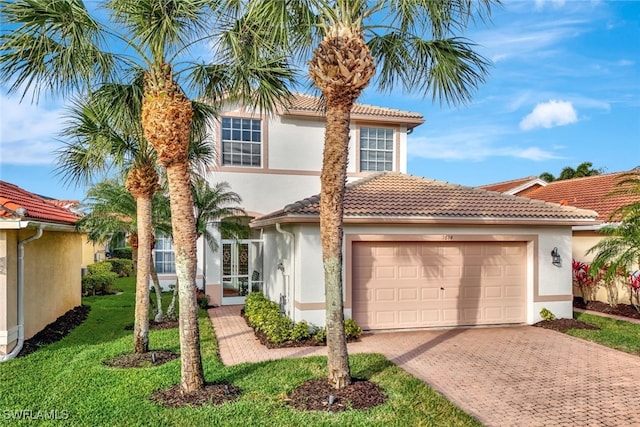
x,y
201,298
584,281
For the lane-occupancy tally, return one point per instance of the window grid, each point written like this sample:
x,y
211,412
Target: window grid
x,y
376,149
165,260
241,141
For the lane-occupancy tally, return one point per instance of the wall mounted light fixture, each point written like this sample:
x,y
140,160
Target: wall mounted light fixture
x,y
555,257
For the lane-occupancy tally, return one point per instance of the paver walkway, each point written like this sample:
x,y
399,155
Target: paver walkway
x,y
503,376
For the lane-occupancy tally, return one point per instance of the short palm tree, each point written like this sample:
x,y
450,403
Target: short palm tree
x,y
412,43
619,252
57,46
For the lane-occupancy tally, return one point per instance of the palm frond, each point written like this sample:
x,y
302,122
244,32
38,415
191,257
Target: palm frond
x,y
52,46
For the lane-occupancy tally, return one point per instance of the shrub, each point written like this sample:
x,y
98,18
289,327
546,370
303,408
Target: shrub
x,y
547,315
202,299
100,267
122,267
301,331
124,252
98,283
351,329
265,316
320,335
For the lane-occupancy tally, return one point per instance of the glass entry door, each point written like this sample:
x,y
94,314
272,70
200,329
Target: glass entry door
x,y
241,269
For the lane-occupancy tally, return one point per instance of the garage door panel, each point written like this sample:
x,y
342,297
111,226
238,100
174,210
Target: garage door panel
x,y
438,284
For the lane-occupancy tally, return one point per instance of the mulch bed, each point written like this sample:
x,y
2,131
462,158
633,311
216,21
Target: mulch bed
x,y
211,394
56,330
142,360
625,310
563,325
153,325
319,395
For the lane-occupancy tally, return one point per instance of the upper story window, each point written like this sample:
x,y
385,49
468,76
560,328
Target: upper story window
x,y
241,142
376,149
165,259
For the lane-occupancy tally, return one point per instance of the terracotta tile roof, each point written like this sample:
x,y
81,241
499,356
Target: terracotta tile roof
x,y
587,193
312,105
17,203
401,197
521,185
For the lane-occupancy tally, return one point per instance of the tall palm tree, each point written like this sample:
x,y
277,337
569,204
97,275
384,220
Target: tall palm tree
x,y
413,43
56,46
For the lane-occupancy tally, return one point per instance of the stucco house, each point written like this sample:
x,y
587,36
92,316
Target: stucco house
x,y
592,192
273,160
423,253
41,257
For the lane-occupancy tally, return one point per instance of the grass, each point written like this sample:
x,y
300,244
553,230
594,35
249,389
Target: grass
x,y
67,380
618,334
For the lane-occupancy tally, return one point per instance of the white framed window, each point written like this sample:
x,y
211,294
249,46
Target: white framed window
x,y
241,141
164,257
376,149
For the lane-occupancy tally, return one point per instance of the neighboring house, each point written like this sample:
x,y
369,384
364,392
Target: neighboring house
x,y
272,160
423,253
41,256
592,192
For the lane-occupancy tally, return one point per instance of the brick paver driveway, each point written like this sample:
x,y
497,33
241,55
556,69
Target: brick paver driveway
x,y
515,376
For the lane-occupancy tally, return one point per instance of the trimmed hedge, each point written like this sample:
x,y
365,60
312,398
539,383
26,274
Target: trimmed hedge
x,y
98,283
122,267
100,267
124,252
265,316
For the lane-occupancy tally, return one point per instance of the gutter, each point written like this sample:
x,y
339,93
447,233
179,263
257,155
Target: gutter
x,y
293,269
21,245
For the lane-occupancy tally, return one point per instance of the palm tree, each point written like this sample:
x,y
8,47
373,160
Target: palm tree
x,y
58,47
619,253
582,170
410,42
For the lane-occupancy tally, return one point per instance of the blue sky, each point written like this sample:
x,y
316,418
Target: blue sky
x,y
564,89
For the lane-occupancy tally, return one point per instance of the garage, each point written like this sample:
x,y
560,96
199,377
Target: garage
x,y
437,284
420,253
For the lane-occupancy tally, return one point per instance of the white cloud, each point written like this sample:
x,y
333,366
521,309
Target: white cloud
x,y
550,114
28,132
474,144
556,3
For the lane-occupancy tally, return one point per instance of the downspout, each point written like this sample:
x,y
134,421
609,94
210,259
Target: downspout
x,y
20,343
293,268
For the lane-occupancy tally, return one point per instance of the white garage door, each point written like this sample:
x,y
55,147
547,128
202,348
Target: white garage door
x,y
425,284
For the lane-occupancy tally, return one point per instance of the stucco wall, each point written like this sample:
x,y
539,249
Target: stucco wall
x,y
547,285
52,269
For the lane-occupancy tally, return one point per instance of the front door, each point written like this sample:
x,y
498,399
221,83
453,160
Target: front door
x,y
241,267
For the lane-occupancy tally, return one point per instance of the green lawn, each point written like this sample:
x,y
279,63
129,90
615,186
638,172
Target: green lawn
x,y
68,380
618,334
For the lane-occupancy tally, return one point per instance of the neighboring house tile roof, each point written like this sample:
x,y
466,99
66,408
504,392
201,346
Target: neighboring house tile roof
x,y
16,203
517,187
312,105
590,192
399,196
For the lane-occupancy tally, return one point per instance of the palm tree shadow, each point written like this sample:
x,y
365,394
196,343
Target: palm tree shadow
x,y
424,348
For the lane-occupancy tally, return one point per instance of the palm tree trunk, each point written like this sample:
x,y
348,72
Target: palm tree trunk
x,y
141,323
333,179
184,244
159,317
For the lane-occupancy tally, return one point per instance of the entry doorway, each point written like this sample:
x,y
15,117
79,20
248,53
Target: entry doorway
x,y
241,270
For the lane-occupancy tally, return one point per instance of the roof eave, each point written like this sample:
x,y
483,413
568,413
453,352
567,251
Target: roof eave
x,y
410,220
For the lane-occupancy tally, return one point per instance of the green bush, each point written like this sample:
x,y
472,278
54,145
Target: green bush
x,y
264,316
124,252
547,314
100,267
98,283
351,329
320,334
122,267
